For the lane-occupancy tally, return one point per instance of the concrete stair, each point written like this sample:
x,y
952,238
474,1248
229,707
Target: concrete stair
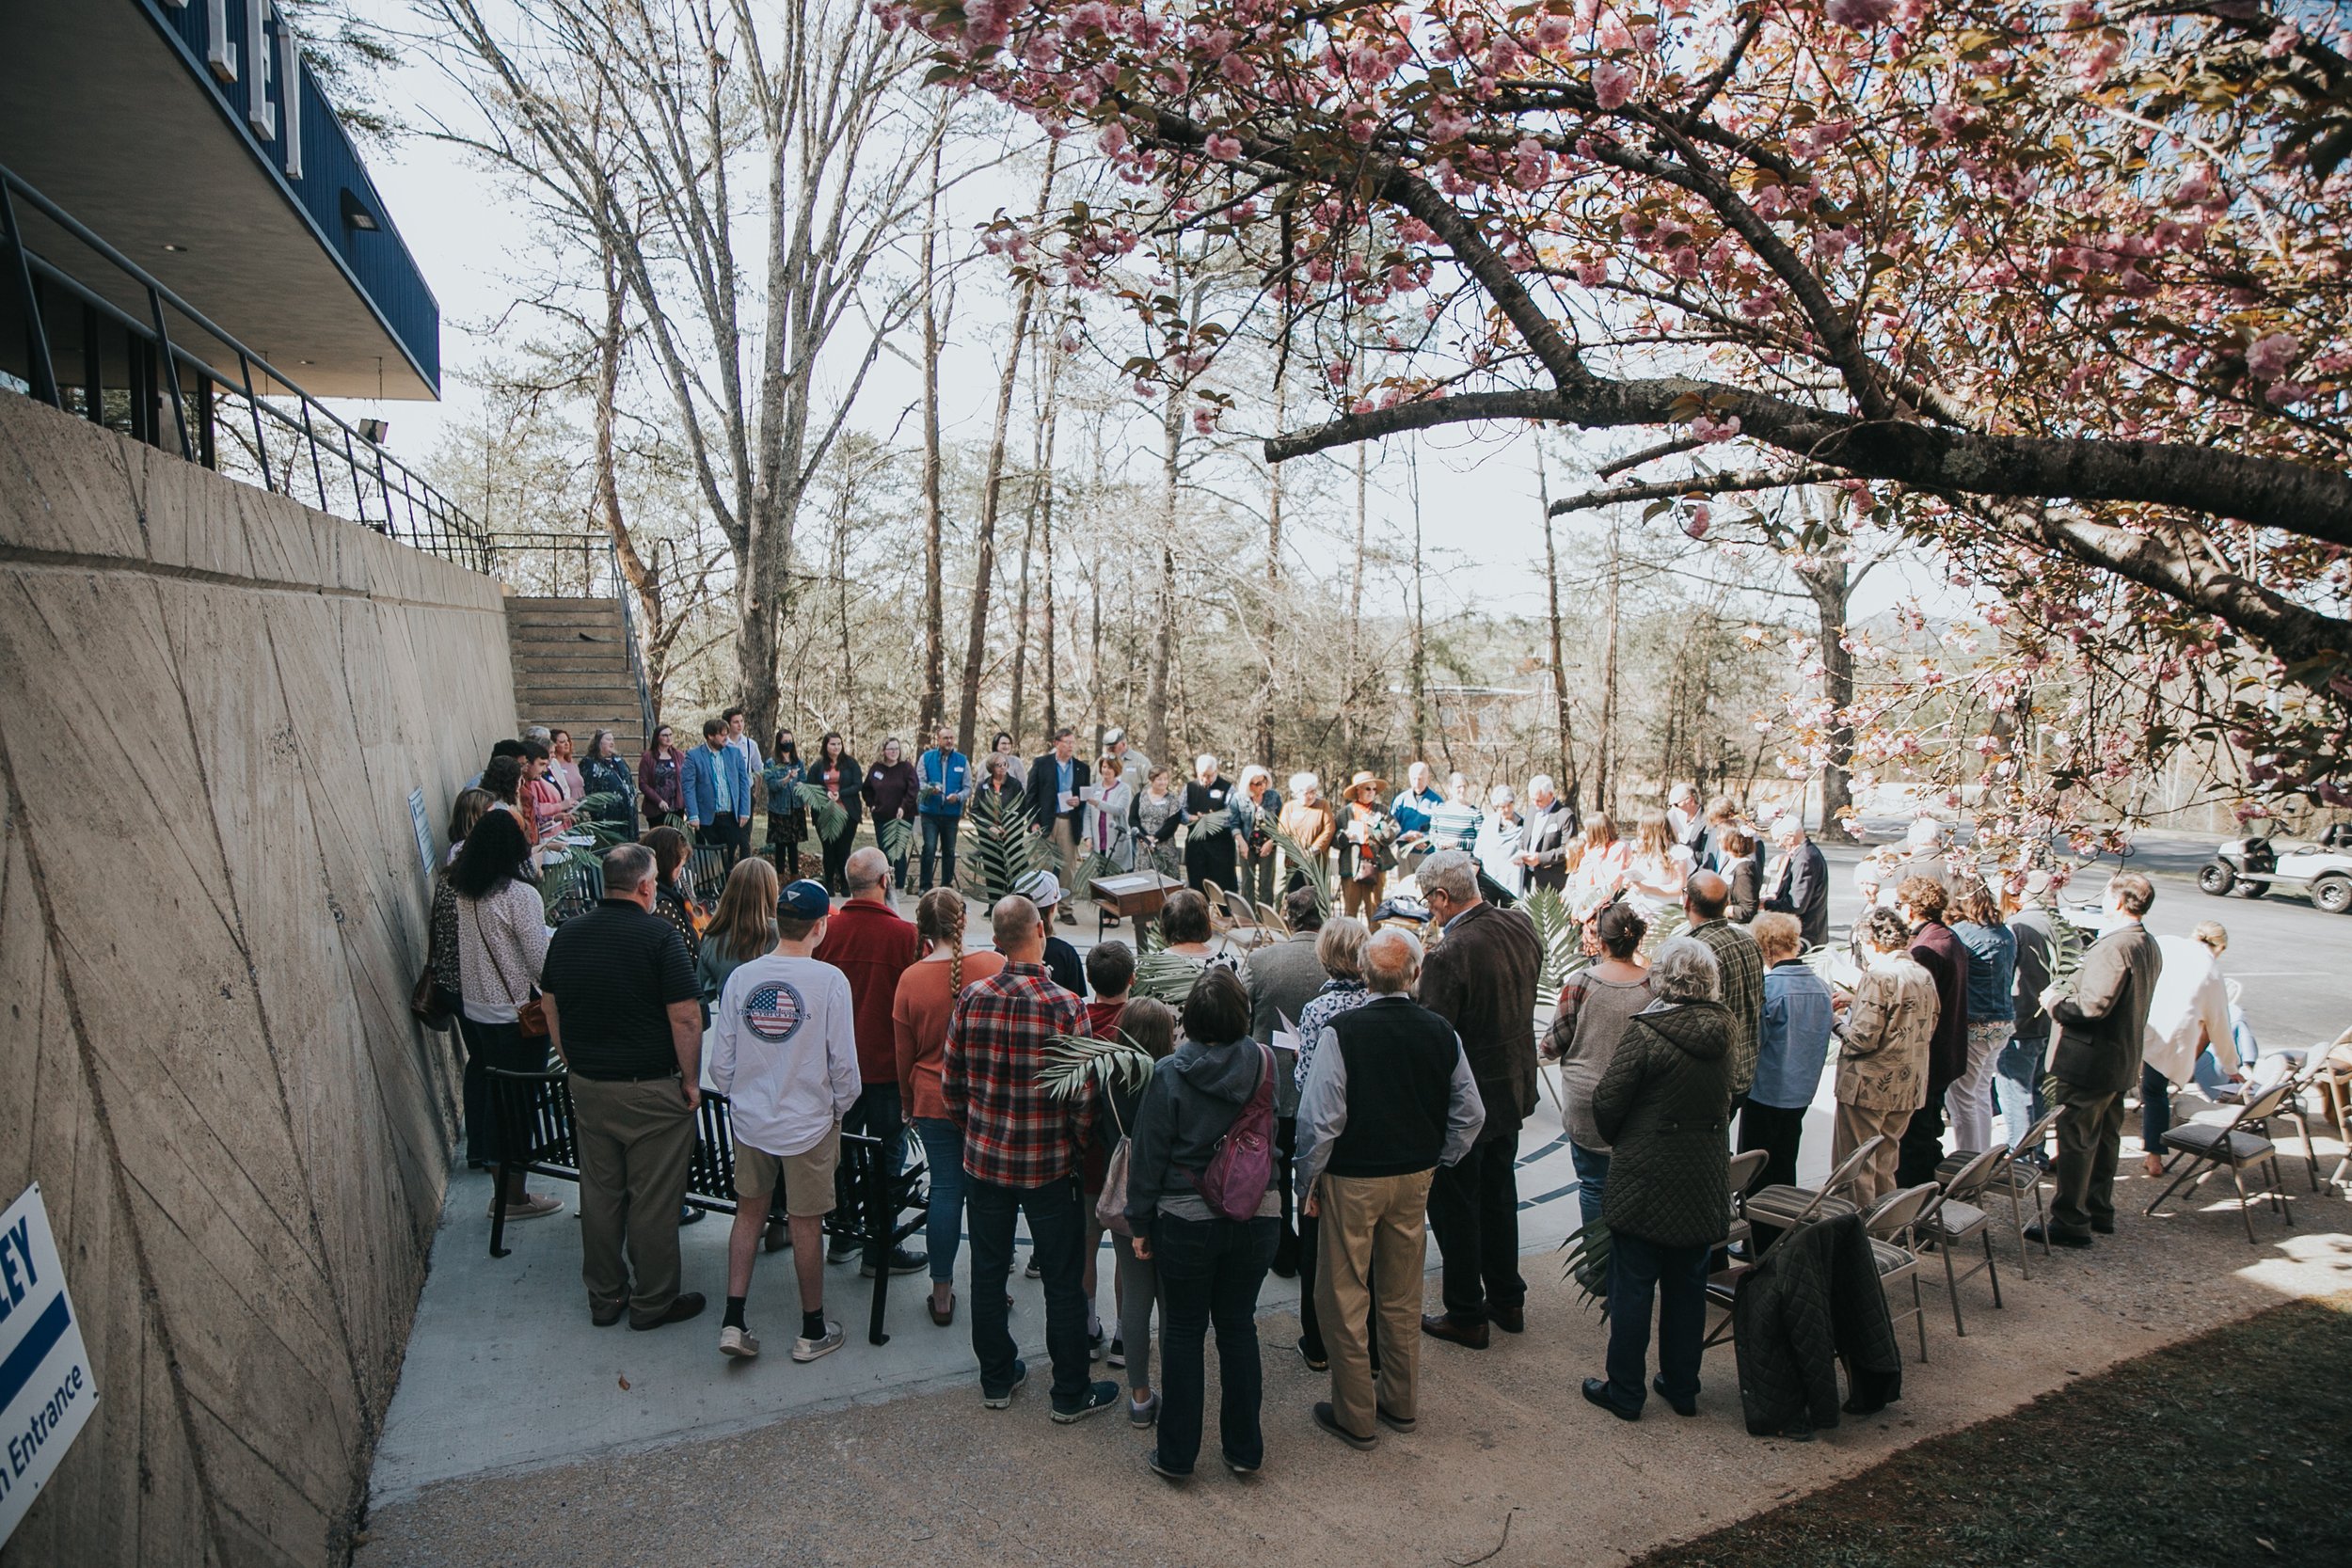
x,y
572,672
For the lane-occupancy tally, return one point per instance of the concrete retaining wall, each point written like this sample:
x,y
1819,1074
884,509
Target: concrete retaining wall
x,y
214,703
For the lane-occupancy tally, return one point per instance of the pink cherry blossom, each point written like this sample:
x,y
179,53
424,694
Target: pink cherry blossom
x,y
1859,14
2273,356
1613,83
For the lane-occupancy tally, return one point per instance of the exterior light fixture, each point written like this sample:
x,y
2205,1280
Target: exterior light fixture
x,y
356,212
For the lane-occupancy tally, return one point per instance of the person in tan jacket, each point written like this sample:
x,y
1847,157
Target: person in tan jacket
x,y
1888,1021
1307,817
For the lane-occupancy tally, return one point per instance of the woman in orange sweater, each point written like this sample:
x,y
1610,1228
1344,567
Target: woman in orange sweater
x,y
919,1016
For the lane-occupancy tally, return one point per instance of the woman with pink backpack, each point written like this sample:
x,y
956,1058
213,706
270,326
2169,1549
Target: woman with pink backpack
x,y
1204,1208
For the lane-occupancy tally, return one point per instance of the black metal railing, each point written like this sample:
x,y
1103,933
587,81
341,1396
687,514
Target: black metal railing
x,y
576,566
180,397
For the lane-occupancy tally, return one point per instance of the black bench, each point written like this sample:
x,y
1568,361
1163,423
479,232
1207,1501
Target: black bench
x,y
533,1112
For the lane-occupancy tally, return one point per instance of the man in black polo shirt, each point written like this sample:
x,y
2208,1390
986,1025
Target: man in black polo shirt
x,y
1389,1098
626,1014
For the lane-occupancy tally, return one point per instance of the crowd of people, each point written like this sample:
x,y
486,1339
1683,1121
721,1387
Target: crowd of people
x,y
1316,1106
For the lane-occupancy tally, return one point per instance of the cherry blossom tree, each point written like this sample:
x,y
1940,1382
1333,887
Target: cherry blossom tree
x,y
2054,287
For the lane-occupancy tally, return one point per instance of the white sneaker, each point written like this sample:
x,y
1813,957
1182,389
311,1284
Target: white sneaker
x,y
737,1342
805,1349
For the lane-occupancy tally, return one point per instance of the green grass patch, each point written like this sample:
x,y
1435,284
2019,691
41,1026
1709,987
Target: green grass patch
x,y
2230,1449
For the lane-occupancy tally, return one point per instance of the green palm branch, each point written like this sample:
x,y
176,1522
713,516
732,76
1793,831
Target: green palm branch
x,y
829,814
1001,845
1589,1261
1164,977
1556,927
1073,1065
1296,854
894,835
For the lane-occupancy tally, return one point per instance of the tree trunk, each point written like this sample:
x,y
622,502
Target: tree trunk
x,y
1273,625
934,704
1355,620
1420,654
1045,543
975,639
1831,587
1604,768
643,580
1021,615
1155,693
1570,785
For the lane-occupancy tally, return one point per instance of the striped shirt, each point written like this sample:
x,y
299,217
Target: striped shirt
x,y
1015,1134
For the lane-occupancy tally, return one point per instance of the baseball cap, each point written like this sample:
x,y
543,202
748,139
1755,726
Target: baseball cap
x,y
1041,887
805,900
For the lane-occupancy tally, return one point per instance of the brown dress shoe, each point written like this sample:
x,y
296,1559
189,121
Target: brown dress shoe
x,y
1446,1327
1511,1320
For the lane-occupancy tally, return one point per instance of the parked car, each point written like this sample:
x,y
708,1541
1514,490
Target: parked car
x,y
2250,867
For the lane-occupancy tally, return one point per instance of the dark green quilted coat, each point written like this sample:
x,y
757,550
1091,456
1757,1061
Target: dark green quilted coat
x,y
1662,1107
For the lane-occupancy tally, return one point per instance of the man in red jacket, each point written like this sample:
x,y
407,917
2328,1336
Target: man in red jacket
x,y
866,940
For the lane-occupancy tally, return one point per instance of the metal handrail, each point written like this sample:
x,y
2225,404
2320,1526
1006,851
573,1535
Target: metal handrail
x,y
446,529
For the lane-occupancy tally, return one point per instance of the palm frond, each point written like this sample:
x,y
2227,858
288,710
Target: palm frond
x,y
894,835
829,814
1001,845
1296,854
1164,977
1072,1064
1589,1261
1210,824
1563,937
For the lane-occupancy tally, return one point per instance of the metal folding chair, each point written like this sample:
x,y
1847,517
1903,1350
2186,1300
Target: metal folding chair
x,y
1723,1283
1893,1225
1952,1218
2211,1146
1785,1208
2014,1178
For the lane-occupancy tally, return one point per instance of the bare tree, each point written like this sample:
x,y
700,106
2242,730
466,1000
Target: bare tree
x,y
628,122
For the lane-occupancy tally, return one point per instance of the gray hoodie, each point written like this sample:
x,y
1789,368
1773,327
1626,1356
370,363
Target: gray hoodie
x,y
1194,1096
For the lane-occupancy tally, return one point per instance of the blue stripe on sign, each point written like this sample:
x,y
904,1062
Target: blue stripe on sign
x,y
43,1337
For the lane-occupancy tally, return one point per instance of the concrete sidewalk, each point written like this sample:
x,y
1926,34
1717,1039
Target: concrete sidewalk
x,y
1505,1438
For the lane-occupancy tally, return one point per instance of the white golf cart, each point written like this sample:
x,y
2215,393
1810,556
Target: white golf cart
x,y
2250,867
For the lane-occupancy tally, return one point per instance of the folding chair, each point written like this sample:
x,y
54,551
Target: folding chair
x,y
2012,1179
706,871
1951,1219
1785,1208
1894,1247
1722,1283
2214,1145
2279,1067
1246,923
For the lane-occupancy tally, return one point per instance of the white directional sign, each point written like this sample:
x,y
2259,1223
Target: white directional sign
x,y
46,1390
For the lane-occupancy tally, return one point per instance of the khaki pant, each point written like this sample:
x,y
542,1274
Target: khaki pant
x,y
1373,1235
635,1140
1358,898
1857,1125
1066,845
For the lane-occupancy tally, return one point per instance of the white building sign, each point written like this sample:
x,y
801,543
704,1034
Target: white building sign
x,y
46,1390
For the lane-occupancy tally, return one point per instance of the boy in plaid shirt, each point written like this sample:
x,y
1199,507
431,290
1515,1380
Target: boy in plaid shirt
x,y
1022,1151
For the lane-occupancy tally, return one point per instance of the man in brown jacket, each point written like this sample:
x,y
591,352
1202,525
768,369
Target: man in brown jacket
x,y
1481,978
2102,1021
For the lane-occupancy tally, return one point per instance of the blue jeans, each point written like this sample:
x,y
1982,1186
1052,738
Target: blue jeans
x,y
2155,1109
1592,1179
1677,1276
879,1114
943,1228
1210,1271
939,843
2017,1087
1056,1236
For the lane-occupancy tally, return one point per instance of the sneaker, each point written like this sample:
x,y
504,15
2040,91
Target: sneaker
x,y
1118,1356
538,1206
901,1262
1035,1271
999,1401
1099,1398
1328,1420
1244,1471
737,1342
805,1349
1094,1345
1145,1415
1316,1361
1153,1461
841,1251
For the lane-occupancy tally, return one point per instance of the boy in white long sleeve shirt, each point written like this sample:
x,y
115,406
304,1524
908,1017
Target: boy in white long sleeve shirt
x,y
784,1051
